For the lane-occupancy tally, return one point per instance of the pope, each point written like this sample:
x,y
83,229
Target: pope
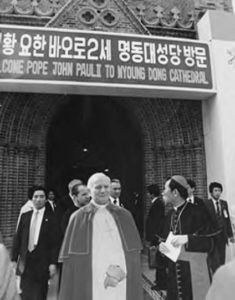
x,y
101,250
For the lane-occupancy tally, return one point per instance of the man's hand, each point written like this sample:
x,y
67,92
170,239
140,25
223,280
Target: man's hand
x,y
116,272
52,270
179,240
110,281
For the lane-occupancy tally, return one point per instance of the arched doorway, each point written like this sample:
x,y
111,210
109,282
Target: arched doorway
x,y
96,134
145,141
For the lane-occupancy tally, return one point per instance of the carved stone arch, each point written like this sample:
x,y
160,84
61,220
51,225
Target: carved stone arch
x,y
139,111
142,111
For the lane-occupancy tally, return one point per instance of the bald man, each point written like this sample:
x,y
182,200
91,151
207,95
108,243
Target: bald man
x,y
101,250
80,196
67,201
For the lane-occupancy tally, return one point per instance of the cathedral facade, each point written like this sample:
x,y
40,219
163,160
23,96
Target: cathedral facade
x,y
51,136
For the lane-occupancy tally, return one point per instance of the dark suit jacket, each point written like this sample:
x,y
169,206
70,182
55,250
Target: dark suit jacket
x,y
201,204
224,231
155,220
46,251
65,202
198,201
66,217
227,231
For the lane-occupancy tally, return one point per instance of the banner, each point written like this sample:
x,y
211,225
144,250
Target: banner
x,y
62,56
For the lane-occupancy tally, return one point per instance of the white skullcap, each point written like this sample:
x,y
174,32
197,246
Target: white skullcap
x,y
94,177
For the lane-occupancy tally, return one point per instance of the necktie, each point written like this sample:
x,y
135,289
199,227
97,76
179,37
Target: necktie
x,y
53,206
32,231
217,207
115,201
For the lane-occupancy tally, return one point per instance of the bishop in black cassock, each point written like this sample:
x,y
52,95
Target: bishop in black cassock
x,y
188,277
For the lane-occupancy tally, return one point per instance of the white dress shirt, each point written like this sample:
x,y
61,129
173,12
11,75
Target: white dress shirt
x,y
215,205
191,199
117,201
39,223
51,204
154,199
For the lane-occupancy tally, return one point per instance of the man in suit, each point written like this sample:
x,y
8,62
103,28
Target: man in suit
x,y
80,196
220,219
191,190
198,201
115,192
154,226
155,219
28,206
35,247
67,201
52,199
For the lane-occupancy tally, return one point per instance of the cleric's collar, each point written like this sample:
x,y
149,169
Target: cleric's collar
x,y
98,205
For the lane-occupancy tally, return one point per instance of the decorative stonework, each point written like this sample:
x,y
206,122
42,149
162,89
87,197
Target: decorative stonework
x,y
109,17
100,12
102,15
88,15
175,17
158,17
99,4
213,4
161,18
39,8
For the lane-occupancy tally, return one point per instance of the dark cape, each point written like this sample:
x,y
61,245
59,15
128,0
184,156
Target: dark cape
x,y
76,254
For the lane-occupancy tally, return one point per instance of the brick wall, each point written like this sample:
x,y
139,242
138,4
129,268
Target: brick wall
x,y
171,130
171,133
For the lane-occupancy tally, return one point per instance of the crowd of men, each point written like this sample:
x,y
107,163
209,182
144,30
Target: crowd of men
x,y
92,241
86,236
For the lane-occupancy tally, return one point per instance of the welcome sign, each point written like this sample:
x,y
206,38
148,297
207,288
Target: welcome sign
x,y
61,57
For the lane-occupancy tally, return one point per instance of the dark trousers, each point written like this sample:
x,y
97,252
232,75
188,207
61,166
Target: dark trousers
x,y
221,252
33,289
161,271
217,257
33,286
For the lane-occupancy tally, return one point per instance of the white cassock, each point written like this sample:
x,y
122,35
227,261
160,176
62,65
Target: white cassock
x,y
106,250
